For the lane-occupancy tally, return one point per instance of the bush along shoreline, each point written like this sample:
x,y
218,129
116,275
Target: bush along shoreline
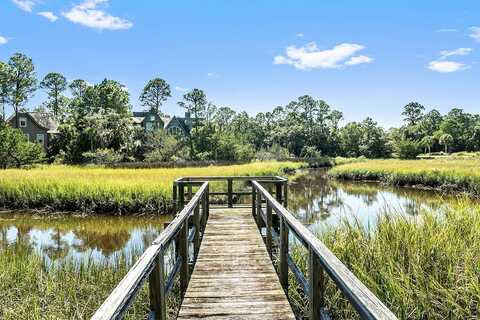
x,y
97,190
445,175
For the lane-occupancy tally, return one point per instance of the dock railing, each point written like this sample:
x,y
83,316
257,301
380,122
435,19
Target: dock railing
x,y
151,265
271,216
182,188
321,261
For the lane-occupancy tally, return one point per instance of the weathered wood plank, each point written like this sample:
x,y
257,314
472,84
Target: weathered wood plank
x,y
234,277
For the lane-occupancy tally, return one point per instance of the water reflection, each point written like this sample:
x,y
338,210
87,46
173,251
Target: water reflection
x,y
95,239
318,201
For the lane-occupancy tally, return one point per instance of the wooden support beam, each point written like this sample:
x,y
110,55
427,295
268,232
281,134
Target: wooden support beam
x,y
269,228
157,288
183,253
229,191
196,237
316,285
283,255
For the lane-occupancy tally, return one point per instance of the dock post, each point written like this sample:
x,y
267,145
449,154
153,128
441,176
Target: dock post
x,y
316,284
254,199
183,252
269,228
230,191
157,288
283,253
196,237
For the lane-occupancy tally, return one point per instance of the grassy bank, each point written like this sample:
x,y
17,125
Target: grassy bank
x,y
422,268
110,190
460,175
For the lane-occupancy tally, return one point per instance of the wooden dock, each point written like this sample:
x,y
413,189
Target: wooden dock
x,y
222,260
234,277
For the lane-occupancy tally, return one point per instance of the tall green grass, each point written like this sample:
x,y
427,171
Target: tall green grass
x,y
30,290
110,190
426,267
460,175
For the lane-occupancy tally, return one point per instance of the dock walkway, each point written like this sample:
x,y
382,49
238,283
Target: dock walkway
x,y
234,277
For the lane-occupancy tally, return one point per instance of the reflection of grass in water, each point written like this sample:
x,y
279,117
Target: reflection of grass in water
x,y
28,290
424,268
31,290
110,190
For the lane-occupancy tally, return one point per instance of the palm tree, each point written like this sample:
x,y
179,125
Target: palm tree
x,y
445,139
427,142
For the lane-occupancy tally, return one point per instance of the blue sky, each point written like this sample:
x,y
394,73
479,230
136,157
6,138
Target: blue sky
x,y
365,58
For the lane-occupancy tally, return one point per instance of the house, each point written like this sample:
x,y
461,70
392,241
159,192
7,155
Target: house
x,y
38,127
149,121
179,126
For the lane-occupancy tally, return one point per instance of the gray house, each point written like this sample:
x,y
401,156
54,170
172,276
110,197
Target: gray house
x,y
38,127
179,126
149,121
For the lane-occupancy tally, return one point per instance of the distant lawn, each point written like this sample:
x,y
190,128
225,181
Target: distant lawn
x,y
449,174
102,190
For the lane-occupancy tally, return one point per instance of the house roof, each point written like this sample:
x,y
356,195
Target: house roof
x,y
138,120
44,120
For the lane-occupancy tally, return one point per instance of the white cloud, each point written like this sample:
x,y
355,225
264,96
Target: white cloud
x,y
181,89
447,30
475,33
456,52
447,66
87,14
213,75
310,57
49,15
25,5
358,60
3,40
300,35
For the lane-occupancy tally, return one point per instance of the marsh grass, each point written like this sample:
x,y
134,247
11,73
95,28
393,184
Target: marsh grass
x,y
459,175
422,268
103,190
29,289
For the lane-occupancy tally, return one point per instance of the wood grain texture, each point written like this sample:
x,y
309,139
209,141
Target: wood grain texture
x,y
233,276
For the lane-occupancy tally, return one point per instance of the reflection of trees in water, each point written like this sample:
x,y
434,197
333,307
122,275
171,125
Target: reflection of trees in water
x,y
313,196
58,248
58,237
105,242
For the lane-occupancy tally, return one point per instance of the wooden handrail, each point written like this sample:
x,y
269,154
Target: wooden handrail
x,y
321,259
151,262
180,184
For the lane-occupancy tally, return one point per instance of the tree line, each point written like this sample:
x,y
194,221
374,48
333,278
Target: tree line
x,y
96,126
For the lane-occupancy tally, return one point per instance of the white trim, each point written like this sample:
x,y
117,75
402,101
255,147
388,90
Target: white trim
x,y
20,119
41,140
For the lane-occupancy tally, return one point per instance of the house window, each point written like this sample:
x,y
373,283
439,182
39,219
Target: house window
x,y
149,126
23,122
41,138
176,131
